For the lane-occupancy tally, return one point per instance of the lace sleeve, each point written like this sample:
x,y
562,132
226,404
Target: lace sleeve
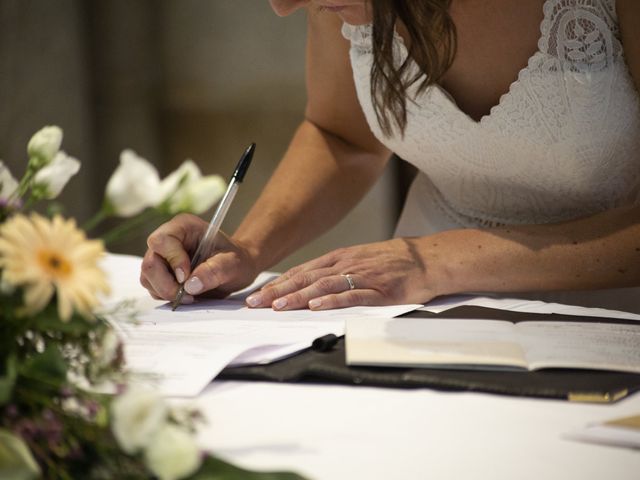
x,y
582,34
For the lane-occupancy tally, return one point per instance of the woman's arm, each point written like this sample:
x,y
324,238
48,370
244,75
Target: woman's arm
x,y
332,161
600,251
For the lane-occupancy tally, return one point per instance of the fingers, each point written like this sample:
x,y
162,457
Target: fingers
x,y
348,298
166,263
158,279
317,290
295,291
173,240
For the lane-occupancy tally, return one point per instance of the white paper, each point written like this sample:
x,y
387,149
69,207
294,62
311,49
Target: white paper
x,y
184,350
181,351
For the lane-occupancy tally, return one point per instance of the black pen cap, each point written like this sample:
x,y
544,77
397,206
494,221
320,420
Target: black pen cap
x,y
243,163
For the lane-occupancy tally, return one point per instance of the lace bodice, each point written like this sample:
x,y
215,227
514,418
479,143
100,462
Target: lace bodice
x,y
564,142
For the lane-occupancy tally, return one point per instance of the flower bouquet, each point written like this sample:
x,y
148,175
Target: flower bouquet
x,y
56,346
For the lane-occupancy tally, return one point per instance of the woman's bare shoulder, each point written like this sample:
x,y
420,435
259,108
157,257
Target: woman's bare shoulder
x,y
332,101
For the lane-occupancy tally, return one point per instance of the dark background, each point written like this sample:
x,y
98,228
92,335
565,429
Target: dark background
x,y
171,79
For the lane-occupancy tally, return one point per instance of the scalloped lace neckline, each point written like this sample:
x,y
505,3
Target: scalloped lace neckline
x,y
450,98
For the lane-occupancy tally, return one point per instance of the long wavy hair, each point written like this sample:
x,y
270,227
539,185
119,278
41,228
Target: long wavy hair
x,y
431,45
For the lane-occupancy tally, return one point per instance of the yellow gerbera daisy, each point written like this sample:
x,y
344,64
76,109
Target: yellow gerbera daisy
x,y
43,256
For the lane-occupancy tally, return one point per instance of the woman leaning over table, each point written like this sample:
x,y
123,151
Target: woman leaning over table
x,y
523,119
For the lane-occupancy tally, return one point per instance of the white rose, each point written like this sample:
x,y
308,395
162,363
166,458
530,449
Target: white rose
x,y
199,196
44,144
185,174
53,177
8,184
186,190
133,186
137,416
172,453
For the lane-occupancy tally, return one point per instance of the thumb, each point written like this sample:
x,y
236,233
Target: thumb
x,y
221,272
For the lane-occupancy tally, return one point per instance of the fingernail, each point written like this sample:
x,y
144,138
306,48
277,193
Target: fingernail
x,y
315,303
187,299
280,303
180,275
254,300
193,286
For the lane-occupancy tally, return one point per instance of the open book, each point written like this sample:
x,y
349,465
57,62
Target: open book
x,y
527,343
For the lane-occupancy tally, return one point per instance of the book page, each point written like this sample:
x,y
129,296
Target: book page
x,y
602,346
444,343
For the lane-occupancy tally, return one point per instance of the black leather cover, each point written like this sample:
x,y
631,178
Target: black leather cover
x,y
326,364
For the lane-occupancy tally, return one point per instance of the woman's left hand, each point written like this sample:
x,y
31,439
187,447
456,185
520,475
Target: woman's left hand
x,y
383,273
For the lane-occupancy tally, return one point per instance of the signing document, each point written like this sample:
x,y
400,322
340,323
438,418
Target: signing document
x,y
180,352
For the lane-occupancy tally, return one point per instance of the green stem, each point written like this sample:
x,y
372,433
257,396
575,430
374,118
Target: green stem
x,y
96,220
120,231
24,184
28,204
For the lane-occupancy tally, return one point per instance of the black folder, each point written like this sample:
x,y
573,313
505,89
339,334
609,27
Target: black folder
x,y
325,363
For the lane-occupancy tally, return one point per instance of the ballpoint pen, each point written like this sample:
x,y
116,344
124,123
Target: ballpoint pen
x,y
207,242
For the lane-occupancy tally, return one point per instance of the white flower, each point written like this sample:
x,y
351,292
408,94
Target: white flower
x,y
133,186
137,416
108,350
186,173
199,196
186,190
53,177
8,184
172,453
44,144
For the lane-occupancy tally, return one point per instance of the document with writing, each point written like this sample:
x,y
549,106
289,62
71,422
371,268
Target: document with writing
x,y
494,344
180,352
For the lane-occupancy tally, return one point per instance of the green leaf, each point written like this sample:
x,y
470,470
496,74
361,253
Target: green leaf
x,y
215,469
48,320
16,461
48,366
8,380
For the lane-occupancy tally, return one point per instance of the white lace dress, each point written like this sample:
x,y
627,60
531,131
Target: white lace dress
x,y
563,143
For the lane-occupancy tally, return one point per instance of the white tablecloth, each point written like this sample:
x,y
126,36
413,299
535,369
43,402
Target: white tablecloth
x,y
336,432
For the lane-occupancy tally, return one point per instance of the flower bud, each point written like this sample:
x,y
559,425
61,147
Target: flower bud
x,y
43,146
8,184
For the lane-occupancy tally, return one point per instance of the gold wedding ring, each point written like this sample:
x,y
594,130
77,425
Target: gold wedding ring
x,y
349,280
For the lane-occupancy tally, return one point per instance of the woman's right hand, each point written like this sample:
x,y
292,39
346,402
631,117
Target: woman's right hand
x,y
166,263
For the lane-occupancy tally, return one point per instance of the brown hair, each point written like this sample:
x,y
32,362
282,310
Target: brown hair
x,y
432,45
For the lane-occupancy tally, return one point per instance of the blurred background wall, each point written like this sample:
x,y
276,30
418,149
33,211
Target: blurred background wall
x,y
171,79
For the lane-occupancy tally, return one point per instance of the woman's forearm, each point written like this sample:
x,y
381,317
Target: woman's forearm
x,y
320,178
601,251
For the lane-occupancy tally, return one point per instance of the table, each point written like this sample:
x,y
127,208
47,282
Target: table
x,y
329,432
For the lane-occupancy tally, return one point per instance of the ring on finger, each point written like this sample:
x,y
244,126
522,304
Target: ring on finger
x,y
349,280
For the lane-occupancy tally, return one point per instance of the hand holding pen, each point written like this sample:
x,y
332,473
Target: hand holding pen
x,y
207,242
